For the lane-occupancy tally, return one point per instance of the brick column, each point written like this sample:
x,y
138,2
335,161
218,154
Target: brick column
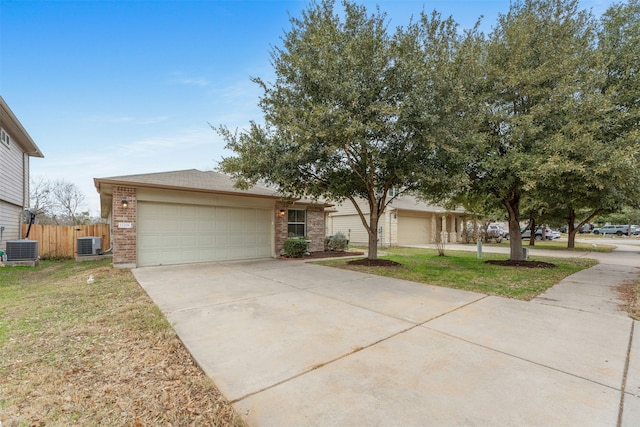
x,y
315,228
280,222
124,224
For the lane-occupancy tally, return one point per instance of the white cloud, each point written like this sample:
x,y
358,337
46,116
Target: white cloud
x,y
181,78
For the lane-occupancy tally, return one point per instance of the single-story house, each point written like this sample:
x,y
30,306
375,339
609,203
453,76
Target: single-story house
x,y
192,216
405,221
16,148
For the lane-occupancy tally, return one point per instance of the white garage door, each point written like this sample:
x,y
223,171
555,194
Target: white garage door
x,y
179,234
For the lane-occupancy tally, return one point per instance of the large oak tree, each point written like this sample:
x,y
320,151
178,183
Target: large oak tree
x,y
534,81
355,111
591,165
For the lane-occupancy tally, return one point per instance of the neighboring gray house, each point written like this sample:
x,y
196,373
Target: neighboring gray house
x,y
188,216
16,147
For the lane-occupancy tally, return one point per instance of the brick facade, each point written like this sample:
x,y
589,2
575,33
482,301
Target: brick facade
x,y
124,237
316,228
281,228
315,225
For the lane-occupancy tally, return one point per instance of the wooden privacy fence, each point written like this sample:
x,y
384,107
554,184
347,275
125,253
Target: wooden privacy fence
x,y
60,241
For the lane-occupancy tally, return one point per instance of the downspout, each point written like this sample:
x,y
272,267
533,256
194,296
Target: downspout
x,y
25,200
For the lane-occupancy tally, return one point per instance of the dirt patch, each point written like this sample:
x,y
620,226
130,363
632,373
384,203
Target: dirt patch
x,y
525,264
629,298
374,262
325,254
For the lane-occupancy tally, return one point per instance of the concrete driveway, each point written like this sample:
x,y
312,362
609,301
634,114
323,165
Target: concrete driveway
x,y
291,343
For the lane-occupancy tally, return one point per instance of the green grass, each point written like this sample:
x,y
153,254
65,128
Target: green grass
x,y
462,270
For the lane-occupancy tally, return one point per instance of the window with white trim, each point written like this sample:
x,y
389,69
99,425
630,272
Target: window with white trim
x,y
4,137
297,223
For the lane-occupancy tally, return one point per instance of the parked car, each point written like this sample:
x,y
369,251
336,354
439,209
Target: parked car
x,y
495,231
555,234
587,228
541,233
618,230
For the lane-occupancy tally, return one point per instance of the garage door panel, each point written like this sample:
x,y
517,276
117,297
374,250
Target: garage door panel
x,y
206,225
176,234
189,226
188,241
206,240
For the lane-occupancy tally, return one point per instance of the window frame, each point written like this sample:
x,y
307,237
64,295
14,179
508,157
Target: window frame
x,y
5,138
297,222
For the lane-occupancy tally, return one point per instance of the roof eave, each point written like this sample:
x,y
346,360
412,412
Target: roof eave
x,y
19,133
99,182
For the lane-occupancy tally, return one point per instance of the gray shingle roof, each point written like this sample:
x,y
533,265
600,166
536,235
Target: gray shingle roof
x,y
190,179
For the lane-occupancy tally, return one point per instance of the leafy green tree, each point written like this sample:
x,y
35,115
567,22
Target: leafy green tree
x,y
535,64
353,111
619,39
598,172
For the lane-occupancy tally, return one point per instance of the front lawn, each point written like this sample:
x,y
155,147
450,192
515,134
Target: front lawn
x,y
462,270
73,353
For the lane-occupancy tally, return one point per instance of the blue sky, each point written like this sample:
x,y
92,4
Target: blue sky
x,y
119,87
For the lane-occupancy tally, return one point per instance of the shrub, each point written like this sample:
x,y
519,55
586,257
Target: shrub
x,y
295,248
338,242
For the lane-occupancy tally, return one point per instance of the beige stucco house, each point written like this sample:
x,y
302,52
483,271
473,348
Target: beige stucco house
x,y
192,216
405,221
16,148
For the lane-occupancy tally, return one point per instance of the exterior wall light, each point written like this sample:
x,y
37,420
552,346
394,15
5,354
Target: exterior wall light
x,y
281,213
125,204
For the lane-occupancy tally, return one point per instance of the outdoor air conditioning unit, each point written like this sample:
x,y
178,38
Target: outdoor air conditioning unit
x,y
89,246
22,250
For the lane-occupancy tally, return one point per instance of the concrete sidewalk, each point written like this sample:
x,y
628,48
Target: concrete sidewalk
x,y
291,343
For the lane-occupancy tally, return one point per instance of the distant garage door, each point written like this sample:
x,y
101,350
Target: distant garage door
x,y
413,230
180,234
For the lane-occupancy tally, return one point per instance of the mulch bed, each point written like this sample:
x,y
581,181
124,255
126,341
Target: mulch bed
x,y
374,262
525,264
325,254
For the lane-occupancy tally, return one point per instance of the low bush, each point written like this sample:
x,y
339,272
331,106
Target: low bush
x,y
295,248
338,242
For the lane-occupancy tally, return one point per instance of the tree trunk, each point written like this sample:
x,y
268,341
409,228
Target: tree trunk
x,y
515,241
532,236
574,230
372,225
571,243
373,235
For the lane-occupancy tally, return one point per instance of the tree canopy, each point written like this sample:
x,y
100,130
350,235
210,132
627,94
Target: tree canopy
x,y
539,116
354,111
546,121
